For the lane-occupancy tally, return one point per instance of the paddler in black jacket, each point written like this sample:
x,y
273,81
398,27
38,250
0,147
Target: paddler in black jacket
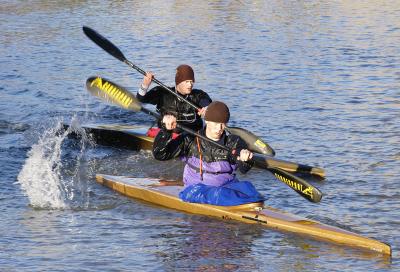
x,y
209,175
168,103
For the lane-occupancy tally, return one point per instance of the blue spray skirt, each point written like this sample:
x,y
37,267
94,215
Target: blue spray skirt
x,y
230,194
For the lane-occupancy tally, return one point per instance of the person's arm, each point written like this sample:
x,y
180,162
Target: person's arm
x,y
164,147
245,162
204,101
243,156
152,96
148,77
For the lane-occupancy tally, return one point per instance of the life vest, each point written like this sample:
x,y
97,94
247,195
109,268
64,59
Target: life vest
x,y
153,131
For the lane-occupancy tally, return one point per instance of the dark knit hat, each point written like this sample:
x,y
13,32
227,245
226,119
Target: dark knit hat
x,y
183,72
217,112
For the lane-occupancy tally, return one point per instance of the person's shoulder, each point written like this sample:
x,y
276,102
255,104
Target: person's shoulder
x,y
235,139
187,135
187,138
200,93
156,89
160,91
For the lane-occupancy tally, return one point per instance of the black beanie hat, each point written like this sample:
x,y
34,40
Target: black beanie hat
x,y
217,112
183,72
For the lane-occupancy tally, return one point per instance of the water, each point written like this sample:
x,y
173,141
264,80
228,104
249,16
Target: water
x,y
319,81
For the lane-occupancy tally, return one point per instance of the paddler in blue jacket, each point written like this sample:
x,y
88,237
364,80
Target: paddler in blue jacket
x,y
167,103
209,174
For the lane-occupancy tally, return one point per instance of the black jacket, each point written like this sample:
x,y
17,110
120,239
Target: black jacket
x,y
165,148
168,103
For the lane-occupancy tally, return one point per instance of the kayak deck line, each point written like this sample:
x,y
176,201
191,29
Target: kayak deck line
x,y
152,191
135,138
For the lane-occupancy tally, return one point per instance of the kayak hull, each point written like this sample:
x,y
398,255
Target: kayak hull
x,y
118,136
161,193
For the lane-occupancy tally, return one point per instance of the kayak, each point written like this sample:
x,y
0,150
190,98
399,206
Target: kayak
x,y
165,193
136,138
118,135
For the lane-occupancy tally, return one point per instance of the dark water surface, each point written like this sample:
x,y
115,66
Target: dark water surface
x,y
318,80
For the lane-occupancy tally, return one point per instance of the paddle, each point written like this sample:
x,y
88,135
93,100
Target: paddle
x,y
255,144
264,161
115,94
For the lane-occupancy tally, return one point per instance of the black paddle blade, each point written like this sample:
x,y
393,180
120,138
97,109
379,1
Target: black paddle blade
x,y
112,93
254,143
299,185
108,46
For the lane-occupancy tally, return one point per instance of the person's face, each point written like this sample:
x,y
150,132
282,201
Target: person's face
x,y
214,130
185,87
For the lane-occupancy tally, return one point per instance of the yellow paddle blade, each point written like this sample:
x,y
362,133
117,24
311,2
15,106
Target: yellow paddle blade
x,y
112,93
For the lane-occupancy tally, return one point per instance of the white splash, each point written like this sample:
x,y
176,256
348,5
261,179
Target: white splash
x,y
41,177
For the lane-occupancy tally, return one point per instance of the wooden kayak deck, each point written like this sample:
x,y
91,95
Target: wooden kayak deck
x,y
154,191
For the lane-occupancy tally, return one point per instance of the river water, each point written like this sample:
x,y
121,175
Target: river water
x,y
318,80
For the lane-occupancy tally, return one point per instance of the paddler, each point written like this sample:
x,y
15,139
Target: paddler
x,y
167,103
209,173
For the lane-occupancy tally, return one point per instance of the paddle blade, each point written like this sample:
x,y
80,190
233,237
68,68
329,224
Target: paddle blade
x,y
254,143
299,185
108,46
112,93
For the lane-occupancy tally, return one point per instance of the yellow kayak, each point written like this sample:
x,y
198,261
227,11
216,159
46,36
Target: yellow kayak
x,y
165,193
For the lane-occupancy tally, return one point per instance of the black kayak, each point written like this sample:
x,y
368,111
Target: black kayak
x,y
134,137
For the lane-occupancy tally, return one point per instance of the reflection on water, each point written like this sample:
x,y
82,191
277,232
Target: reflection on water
x,y
209,245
